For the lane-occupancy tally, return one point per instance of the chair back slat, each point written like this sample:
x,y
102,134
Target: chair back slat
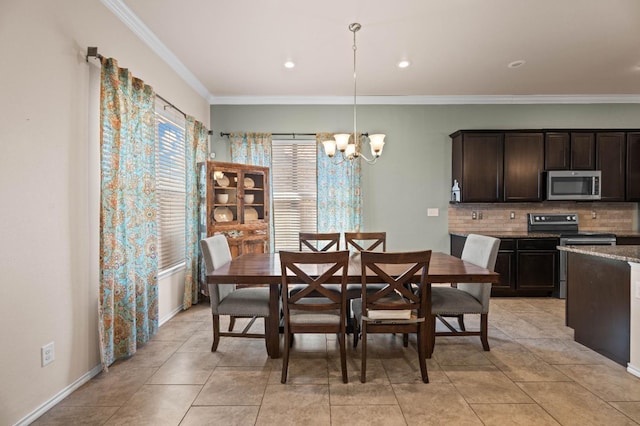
x,y
414,262
321,267
366,241
319,241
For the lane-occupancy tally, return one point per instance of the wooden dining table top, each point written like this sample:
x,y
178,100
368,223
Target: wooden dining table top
x,y
264,268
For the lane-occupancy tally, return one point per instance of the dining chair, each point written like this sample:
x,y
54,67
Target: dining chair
x,y
369,241
466,298
306,314
319,241
396,308
226,299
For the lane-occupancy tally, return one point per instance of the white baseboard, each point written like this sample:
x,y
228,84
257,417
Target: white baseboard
x,y
633,370
171,314
34,415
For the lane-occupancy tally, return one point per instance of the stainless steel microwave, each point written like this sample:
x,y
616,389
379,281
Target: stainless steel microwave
x,y
567,185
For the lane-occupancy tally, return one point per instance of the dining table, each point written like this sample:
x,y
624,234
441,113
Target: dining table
x,y
264,269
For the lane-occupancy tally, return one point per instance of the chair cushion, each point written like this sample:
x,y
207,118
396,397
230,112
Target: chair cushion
x,y
448,300
297,316
354,291
252,301
381,314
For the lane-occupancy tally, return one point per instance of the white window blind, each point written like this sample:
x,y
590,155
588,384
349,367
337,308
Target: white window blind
x,y
293,175
170,187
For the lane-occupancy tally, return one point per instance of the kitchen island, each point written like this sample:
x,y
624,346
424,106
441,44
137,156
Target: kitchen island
x,y
603,301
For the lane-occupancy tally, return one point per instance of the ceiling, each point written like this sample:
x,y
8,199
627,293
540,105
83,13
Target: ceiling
x,y
235,50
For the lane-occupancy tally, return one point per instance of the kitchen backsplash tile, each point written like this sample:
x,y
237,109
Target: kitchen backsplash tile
x,y
609,217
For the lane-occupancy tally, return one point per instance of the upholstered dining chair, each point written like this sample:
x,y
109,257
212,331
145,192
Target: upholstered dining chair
x,y
226,299
466,298
325,313
396,308
319,241
369,241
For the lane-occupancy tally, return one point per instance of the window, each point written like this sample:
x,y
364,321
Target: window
x,y
170,186
293,176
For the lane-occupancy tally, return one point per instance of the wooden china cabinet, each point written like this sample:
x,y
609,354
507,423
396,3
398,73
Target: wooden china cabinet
x,y
234,201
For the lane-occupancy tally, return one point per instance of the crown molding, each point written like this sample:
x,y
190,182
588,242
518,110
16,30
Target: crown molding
x,y
131,20
426,100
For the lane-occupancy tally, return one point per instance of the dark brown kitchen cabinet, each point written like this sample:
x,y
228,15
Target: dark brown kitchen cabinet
x,y
537,263
506,267
611,160
633,166
583,151
570,151
527,266
557,151
628,241
477,166
523,166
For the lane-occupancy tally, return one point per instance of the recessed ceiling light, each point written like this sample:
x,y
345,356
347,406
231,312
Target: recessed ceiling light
x,y
516,64
403,64
289,64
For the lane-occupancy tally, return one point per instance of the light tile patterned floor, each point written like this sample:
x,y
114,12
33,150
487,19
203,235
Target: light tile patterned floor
x,y
534,374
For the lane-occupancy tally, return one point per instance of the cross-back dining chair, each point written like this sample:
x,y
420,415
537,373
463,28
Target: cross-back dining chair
x,y
396,308
319,241
368,241
467,298
226,299
325,312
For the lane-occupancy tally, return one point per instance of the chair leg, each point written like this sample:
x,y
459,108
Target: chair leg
x,y
363,356
232,322
216,332
343,356
405,340
433,336
285,355
461,322
422,349
356,332
484,332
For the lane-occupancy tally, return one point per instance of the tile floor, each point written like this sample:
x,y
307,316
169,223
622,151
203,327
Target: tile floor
x,y
534,374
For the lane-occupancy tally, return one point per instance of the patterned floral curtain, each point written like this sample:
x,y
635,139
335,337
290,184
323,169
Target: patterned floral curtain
x,y
254,149
195,152
128,305
339,198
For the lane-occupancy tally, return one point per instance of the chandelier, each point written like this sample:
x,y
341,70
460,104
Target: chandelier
x,y
341,142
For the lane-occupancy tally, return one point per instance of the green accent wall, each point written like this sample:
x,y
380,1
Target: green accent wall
x,y
414,172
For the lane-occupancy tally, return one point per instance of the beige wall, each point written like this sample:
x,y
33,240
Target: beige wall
x,y
49,189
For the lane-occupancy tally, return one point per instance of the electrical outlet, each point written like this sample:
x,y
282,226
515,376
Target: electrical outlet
x,y
594,215
48,353
474,215
512,215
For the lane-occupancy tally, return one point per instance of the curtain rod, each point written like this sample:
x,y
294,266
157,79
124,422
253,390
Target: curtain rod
x,y
92,52
293,135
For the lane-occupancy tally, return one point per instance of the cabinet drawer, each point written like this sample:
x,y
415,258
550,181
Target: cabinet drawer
x,y
507,244
537,243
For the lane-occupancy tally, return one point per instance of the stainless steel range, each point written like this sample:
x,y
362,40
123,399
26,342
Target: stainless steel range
x,y
566,226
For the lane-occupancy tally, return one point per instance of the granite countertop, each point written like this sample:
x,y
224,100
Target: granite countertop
x,y
624,253
508,234
525,234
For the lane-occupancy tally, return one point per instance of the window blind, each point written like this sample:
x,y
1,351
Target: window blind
x,y
294,191
170,188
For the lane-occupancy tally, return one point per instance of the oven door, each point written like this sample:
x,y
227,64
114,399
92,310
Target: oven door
x,y
577,241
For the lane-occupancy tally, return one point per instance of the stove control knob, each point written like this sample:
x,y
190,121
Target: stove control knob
x,y
569,217
544,218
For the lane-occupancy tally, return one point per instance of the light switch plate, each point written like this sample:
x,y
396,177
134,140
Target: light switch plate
x,y
433,212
